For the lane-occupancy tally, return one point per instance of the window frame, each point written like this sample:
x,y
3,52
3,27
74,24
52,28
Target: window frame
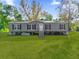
x,y
62,26
19,27
47,26
28,26
34,26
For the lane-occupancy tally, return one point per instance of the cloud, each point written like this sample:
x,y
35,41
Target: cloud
x,y
9,2
54,2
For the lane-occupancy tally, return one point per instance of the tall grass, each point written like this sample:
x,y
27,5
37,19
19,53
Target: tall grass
x,y
32,47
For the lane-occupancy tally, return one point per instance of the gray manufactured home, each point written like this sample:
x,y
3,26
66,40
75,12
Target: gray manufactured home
x,y
18,28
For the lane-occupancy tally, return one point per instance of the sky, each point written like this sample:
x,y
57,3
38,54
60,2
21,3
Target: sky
x,y
47,5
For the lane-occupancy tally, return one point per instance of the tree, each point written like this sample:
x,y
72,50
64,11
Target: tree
x,y
5,11
3,17
13,12
68,10
47,16
63,16
31,12
17,15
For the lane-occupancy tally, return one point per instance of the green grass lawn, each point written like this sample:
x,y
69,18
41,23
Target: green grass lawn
x,y
31,47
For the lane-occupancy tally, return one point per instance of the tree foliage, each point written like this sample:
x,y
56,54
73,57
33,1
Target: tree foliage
x,y
68,9
5,11
3,17
13,12
47,16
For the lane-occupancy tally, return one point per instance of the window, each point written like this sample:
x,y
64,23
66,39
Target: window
x,y
19,26
34,26
28,26
47,26
62,26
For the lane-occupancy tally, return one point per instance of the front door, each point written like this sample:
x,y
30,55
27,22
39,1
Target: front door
x,y
41,30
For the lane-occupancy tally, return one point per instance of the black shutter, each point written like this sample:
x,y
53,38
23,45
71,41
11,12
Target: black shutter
x,y
13,27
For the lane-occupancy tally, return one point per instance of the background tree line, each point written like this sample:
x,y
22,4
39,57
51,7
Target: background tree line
x,y
69,11
26,11
6,12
